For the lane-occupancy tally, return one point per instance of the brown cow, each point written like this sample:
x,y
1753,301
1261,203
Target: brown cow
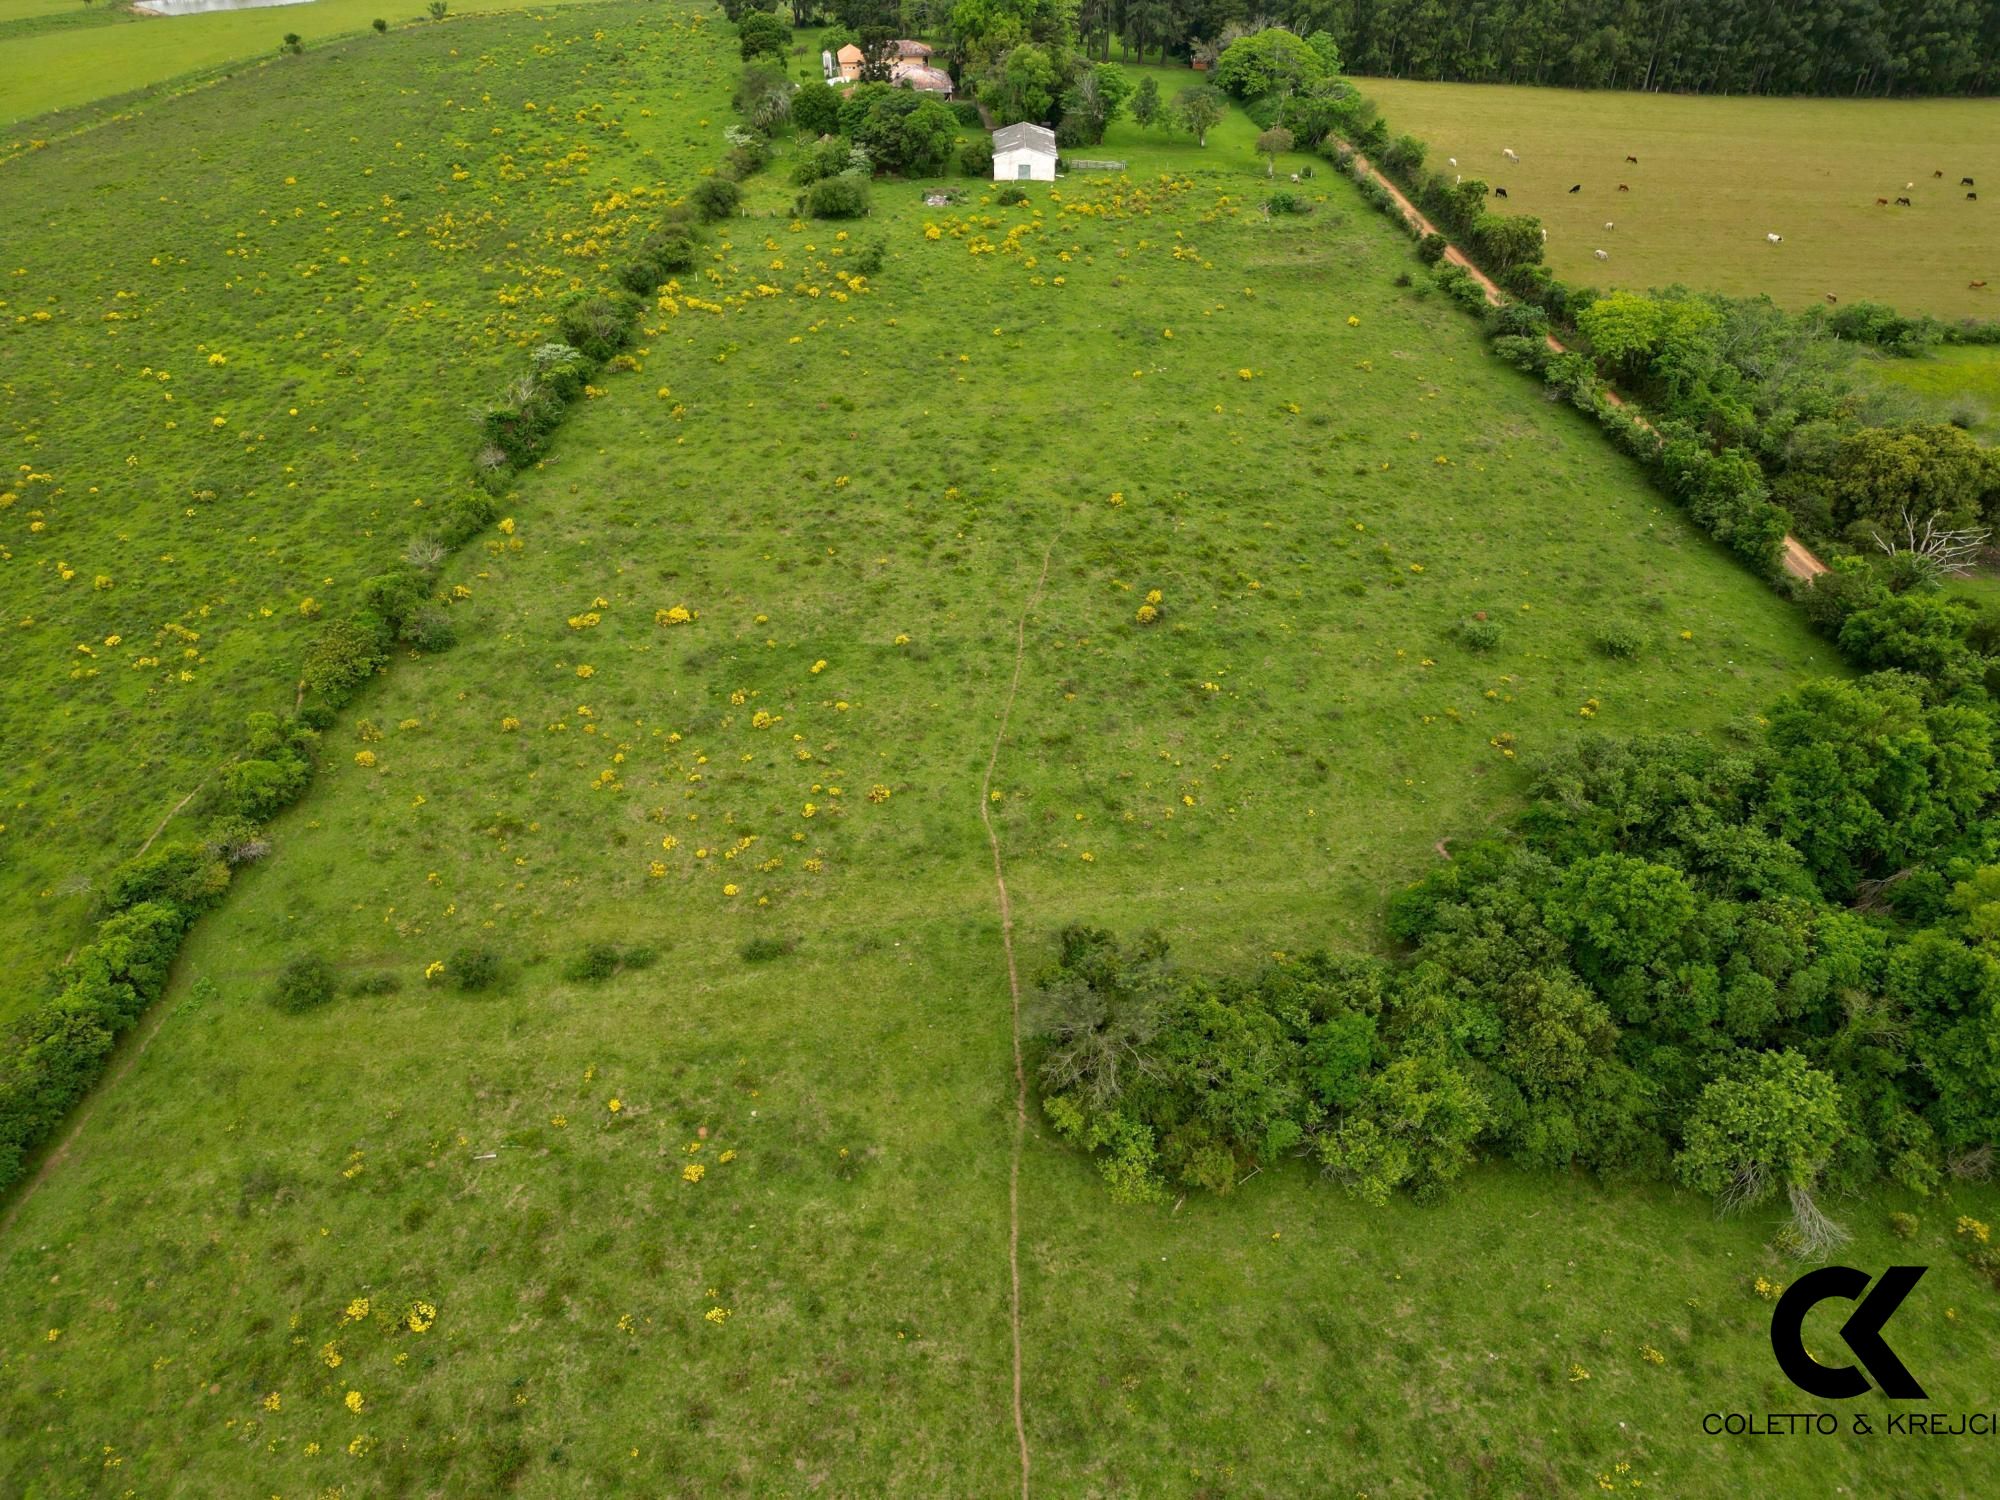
x,y
1831,298
1624,188
1975,286
1881,202
1633,159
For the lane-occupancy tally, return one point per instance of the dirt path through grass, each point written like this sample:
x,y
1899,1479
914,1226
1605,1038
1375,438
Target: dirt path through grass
x,y
1014,1003
1797,558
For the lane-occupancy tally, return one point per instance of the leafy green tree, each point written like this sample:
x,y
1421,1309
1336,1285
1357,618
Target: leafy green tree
x,y
1864,779
1923,634
1270,144
816,108
1146,104
760,32
1272,61
1198,108
1775,1127
929,132
1883,474
1024,87
1504,241
1622,912
1415,1128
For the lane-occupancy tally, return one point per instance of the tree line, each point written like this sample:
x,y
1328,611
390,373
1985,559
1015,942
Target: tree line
x,y
1838,48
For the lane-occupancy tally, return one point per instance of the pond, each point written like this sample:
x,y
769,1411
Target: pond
x,y
203,7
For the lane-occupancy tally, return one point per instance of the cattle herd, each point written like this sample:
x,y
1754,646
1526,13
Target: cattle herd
x,y
1774,239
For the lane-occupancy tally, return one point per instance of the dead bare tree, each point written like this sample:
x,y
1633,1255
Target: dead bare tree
x,y
1941,551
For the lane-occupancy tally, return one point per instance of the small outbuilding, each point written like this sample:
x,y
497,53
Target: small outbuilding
x,y
850,58
1024,153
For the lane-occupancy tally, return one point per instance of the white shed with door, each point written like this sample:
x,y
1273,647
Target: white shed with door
x,y
1024,153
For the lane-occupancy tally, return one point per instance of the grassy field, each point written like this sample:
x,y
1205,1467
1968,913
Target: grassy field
x,y
62,54
726,1211
1715,175
1956,384
212,438
409,1243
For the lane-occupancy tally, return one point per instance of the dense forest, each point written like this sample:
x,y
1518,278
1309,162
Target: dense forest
x,y
1834,47
1840,48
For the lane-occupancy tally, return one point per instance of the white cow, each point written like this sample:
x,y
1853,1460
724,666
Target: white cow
x,y
1508,152
1451,161
1609,225
1774,239
1600,255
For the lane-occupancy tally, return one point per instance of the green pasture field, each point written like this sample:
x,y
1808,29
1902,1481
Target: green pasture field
x,y
734,1218
243,341
1956,383
1715,175
62,54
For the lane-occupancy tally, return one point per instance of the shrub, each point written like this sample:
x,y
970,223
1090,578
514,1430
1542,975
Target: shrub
x,y
595,964
816,109
1478,634
827,157
429,629
761,33
375,984
380,25
1431,248
975,157
1621,641
868,260
714,198
596,325
305,983
1010,195
1282,202
345,654
835,198
475,967
1903,1226
744,161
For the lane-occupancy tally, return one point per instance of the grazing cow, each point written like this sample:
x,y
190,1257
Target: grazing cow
x,y
1499,192
1452,160
1623,188
1937,174
1975,286
1965,182
1774,239
1831,298
1633,159
1508,152
1609,225
1972,197
1576,188
1881,202
1601,255
1906,203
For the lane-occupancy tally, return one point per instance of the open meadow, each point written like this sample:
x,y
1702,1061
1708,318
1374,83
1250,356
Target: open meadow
x,y
706,1191
240,355
65,55
657,1140
1715,175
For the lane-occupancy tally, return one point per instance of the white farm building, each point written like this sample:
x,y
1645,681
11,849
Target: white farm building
x,y
1024,153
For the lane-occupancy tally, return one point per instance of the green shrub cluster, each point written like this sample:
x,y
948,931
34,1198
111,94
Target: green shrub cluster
x,y
1772,967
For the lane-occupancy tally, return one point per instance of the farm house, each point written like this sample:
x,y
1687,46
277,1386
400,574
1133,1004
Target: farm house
x,y
1025,153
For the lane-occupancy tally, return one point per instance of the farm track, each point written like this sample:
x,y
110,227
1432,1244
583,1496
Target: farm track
x,y
1797,558
1014,1005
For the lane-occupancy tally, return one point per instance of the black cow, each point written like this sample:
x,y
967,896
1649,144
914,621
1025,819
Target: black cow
x,y
1577,189
1965,182
1906,203
1499,192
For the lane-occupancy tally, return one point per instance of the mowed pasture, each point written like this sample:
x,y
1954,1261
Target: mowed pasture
x,y
243,347
723,1207
63,56
1715,175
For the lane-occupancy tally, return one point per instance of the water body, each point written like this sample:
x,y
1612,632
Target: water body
x,y
203,7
